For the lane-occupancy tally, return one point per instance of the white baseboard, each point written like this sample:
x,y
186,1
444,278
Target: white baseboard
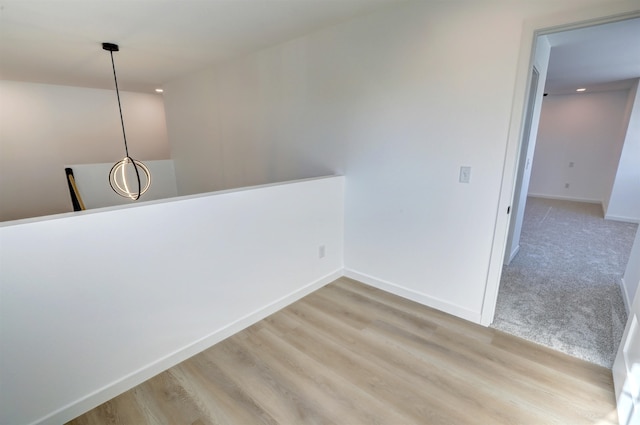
x,y
513,254
588,201
566,198
412,295
621,218
116,388
625,295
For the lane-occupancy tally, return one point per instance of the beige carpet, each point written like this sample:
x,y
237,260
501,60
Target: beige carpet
x,y
562,289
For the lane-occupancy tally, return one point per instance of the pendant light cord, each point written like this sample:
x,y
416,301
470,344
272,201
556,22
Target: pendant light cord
x,y
119,167
126,148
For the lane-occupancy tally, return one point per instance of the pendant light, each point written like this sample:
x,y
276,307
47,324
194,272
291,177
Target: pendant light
x,y
129,177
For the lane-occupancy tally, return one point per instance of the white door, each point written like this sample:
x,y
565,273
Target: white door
x,y
524,172
626,369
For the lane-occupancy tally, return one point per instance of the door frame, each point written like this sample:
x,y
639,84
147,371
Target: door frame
x,y
518,203
626,368
532,29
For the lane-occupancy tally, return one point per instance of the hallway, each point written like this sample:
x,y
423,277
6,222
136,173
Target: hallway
x,y
562,289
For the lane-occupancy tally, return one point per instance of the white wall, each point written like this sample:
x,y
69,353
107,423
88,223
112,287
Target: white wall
x,y
94,303
624,202
583,128
249,122
380,99
43,127
398,101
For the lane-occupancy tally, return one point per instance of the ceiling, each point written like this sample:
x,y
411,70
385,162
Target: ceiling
x,y
601,57
59,41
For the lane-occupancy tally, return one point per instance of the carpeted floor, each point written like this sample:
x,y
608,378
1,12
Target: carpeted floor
x,y
561,290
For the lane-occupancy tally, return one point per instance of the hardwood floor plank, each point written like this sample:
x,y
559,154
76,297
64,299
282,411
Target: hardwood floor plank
x,y
453,395
352,354
468,352
378,383
350,403
453,386
270,390
221,400
165,401
121,410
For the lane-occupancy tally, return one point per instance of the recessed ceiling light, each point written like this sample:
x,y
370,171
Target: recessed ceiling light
x,y
159,91
582,89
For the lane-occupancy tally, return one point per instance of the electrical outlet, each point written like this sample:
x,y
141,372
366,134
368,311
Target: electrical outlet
x,y
465,174
321,251
571,164
566,185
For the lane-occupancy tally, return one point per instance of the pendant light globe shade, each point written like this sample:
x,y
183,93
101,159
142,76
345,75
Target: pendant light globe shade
x,y
128,177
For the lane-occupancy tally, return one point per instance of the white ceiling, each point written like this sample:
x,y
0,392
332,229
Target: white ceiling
x,y
602,57
59,41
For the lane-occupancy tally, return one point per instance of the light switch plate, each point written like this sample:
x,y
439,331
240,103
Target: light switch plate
x,y
465,174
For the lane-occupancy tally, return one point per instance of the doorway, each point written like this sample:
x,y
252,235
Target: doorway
x,y
562,290
560,284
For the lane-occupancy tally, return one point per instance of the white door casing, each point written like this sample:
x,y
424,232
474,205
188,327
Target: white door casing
x,y
626,369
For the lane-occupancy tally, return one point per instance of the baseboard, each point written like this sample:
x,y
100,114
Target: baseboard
x,y
625,295
412,295
116,388
566,198
513,255
635,220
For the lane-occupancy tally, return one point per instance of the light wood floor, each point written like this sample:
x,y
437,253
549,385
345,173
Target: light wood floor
x,y
351,354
